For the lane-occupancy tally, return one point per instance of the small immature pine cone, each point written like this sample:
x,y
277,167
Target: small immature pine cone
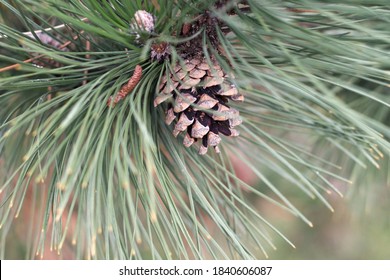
x,y
159,51
201,92
143,21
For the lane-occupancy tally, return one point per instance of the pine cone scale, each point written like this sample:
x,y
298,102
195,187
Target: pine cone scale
x,y
199,130
170,116
197,73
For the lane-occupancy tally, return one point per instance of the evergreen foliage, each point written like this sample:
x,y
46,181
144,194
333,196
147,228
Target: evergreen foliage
x,y
112,182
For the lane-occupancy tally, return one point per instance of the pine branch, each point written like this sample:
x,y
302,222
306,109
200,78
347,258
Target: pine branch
x,y
114,182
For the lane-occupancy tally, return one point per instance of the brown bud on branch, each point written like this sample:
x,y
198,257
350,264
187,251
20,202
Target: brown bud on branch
x,y
127,88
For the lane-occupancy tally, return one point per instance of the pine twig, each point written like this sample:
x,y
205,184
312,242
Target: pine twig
x,y
18,65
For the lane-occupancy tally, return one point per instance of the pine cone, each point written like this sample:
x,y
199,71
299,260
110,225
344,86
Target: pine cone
x,y
201,92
